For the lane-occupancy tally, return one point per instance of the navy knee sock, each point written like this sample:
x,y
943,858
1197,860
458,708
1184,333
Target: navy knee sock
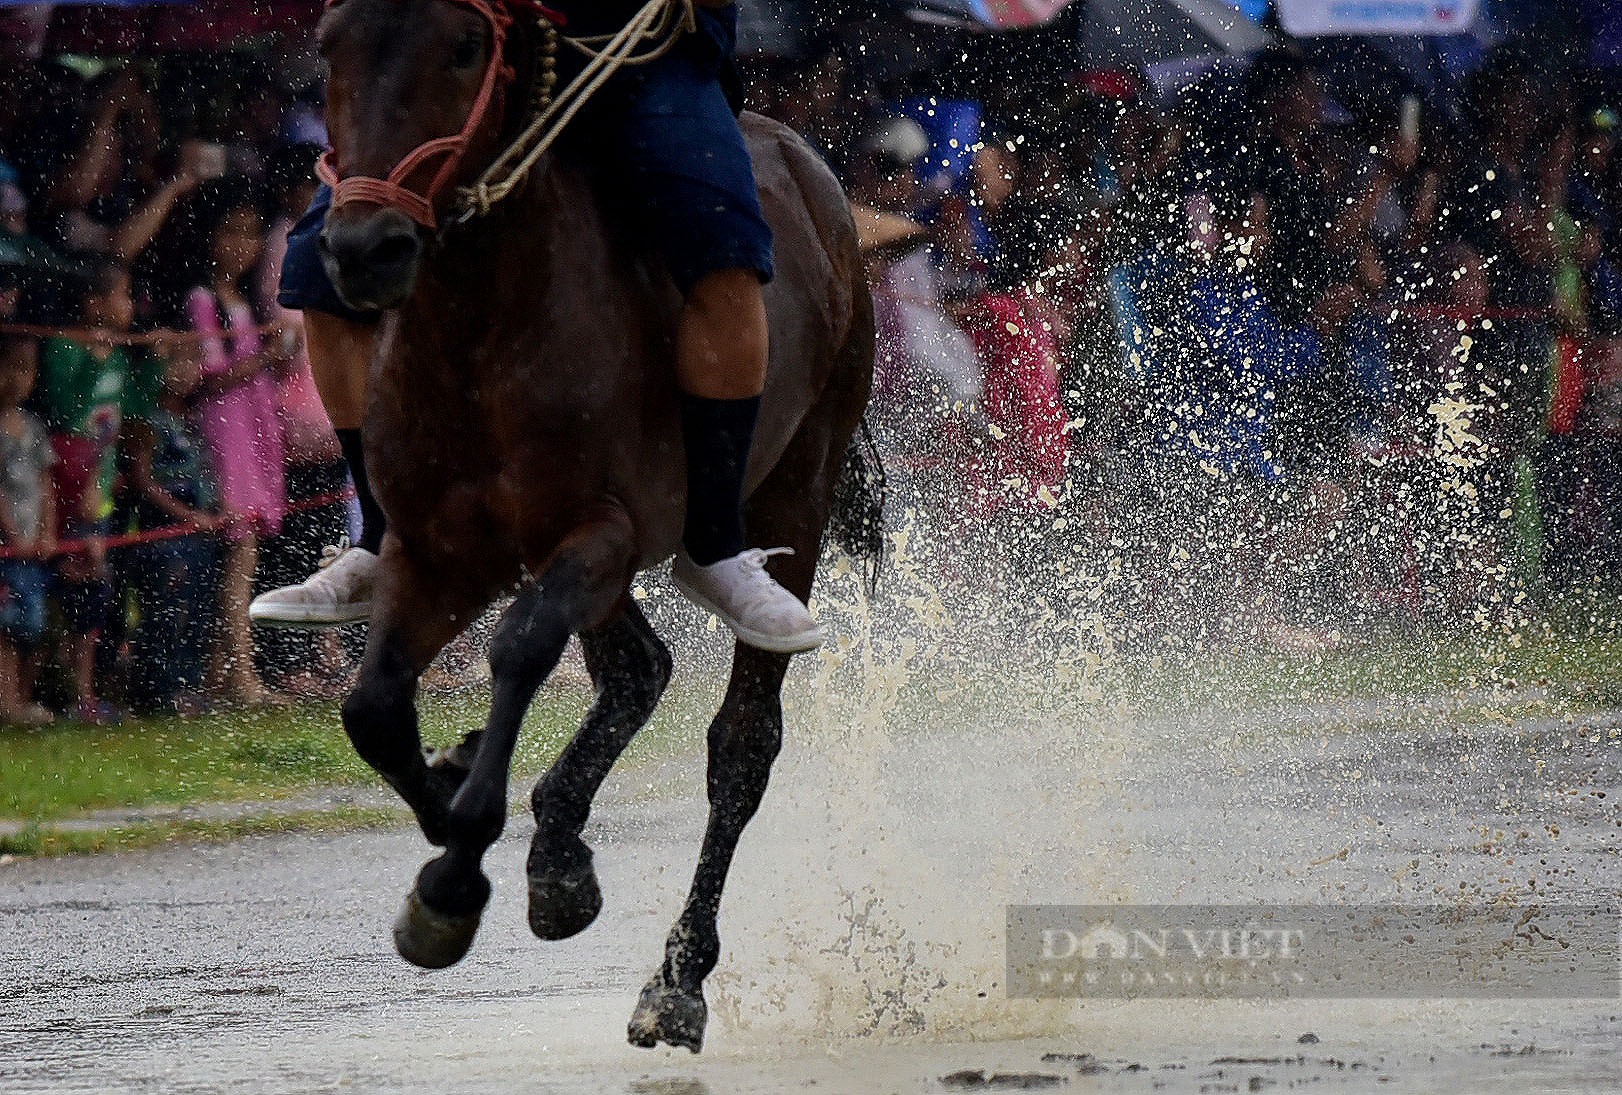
x,y
717,433
372,522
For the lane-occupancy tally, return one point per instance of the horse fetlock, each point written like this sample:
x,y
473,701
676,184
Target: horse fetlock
x,y
431,798
477,824
452,884
551,791
691,952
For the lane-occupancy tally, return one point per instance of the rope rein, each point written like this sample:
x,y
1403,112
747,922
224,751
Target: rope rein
x,y
650,34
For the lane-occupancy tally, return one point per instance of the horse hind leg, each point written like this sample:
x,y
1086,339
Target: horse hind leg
x,y
743,740
412,620
576,590
630,667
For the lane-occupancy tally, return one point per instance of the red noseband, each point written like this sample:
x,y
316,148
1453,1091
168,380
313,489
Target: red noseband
x,y
392,191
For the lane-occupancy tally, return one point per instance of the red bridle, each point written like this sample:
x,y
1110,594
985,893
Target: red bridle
x,y
392,191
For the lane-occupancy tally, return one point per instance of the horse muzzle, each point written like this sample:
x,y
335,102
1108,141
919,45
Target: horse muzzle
x,y
372,260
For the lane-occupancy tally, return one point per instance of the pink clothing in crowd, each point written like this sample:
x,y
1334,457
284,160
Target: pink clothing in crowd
x,y
1020,392
307,429
241,424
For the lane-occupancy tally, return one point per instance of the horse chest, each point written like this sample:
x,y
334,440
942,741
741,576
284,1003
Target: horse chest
x,y
504,463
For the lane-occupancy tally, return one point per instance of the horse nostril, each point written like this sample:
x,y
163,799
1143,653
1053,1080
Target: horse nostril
x,y
393,250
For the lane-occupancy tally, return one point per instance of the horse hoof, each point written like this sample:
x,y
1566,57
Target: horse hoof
x,y
667,1014
562,902
431,939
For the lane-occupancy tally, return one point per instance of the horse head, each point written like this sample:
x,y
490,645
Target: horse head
x,y
416,102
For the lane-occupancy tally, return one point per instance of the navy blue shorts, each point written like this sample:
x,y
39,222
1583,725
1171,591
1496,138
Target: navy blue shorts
x,y
665,137
305,286
22,601
680,171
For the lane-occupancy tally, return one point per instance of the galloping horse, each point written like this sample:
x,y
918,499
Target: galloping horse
x,y
522,433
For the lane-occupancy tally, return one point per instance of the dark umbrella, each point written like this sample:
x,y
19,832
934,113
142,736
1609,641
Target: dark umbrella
x,y
145,26
1142,33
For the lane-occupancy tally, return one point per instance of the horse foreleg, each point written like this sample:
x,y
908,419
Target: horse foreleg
x,y
412,619
577,589
630,667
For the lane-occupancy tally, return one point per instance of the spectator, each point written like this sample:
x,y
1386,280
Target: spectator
x,y
177,578
1246,353
1320,207
23,256
926,373
1501,205
27,533
106,198
236,409
311,446
17,246
1016,333
86,377
11,293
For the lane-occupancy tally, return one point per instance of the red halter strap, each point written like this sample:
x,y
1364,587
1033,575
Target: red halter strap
x,y
392,191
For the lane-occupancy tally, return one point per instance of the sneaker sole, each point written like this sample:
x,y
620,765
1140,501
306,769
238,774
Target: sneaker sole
x,y
311,617
791,644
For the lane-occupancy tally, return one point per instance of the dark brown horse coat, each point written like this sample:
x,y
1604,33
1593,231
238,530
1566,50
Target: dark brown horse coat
x,y
530,378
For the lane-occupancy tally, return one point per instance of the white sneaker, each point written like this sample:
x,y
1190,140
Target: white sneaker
x,y
340,592
739,591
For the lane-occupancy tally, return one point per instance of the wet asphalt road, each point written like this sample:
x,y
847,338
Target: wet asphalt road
x,y
862,930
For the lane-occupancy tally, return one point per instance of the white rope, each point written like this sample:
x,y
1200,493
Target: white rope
x,y
659,22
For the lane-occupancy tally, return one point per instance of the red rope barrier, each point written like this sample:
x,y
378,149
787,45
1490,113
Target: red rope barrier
x,y
145,338
175,532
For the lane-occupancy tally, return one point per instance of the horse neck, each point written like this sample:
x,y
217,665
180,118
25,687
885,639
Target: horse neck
x,y
523,243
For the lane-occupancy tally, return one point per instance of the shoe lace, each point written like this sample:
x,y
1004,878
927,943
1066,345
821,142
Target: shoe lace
x,y
333,552
760,585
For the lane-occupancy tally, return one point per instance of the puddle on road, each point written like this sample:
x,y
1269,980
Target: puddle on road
x,y
926,784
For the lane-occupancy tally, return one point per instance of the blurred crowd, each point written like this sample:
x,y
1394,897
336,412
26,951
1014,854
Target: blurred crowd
x,y
1267,361
165,452
1232,346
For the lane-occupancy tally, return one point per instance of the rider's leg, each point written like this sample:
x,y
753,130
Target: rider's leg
x,y
340,341
340,353
690,187
721,352
721,367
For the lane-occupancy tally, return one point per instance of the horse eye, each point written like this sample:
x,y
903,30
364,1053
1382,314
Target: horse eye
x,y
467,52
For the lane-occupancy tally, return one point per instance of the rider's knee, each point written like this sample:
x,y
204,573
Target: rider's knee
x,y
340,352
732,296
724,341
